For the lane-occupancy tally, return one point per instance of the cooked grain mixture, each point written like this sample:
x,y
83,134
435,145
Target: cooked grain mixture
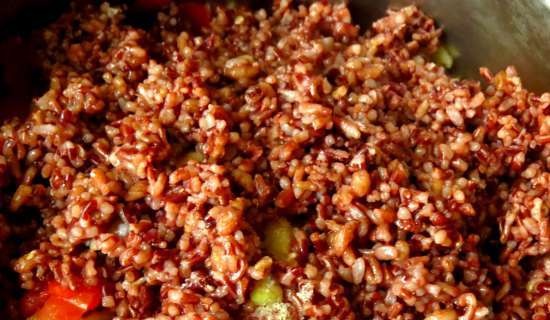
x,y
278,164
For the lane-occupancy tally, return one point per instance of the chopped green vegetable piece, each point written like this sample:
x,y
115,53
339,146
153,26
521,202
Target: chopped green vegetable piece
x,y
194,155
266,292
278,237
443,58
231,4
453,51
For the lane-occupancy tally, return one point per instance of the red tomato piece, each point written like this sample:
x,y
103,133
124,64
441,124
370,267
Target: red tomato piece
x,y
58,309
85,297
32,301
197,13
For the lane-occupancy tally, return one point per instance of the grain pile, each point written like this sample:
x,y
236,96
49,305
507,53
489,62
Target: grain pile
x,y
158,160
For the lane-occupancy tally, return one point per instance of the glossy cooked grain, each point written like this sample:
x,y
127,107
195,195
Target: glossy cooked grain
x,y
159,159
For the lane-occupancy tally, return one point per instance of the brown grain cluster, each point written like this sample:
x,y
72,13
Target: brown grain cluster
x,y
157,157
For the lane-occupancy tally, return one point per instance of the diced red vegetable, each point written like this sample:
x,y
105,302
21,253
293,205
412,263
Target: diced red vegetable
x,y
57,308
56,302
32,301
84,297
197,13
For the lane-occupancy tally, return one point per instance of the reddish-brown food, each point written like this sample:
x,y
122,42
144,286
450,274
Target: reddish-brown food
x,y
197,12
32,301
226,163
53,301
83,296
58,309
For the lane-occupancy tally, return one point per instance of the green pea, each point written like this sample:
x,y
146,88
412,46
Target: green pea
x,y
278,238
266,292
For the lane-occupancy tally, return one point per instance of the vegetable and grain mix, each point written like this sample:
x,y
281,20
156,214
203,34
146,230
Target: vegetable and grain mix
x,y
224,162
